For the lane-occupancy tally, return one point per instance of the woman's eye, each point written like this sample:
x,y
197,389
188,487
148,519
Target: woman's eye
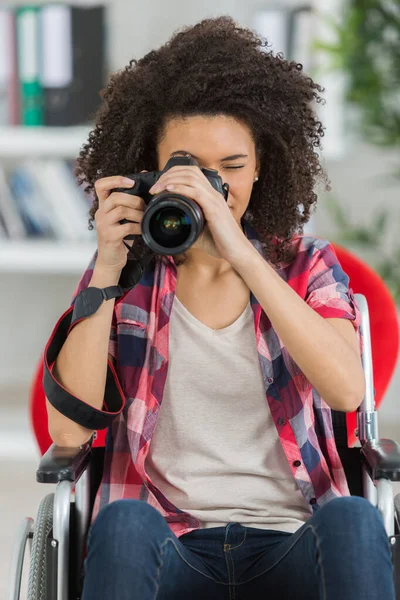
x,y
240,167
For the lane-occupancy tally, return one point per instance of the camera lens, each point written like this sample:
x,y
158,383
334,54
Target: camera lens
x,y
171,223
170,227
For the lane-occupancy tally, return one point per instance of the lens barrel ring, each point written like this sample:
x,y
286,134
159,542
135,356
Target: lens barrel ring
x,y
182,204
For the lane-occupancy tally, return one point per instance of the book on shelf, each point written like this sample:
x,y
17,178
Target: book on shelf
x,y
13,224
3,230
40,199
52,63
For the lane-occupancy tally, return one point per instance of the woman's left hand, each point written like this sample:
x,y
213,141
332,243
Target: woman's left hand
x,y
190,181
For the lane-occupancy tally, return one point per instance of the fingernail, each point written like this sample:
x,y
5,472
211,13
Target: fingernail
x,y
128,181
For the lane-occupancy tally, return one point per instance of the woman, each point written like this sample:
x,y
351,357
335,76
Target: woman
x,y
221,476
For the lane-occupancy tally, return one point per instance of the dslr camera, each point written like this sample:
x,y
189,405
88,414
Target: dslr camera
x,y
171,222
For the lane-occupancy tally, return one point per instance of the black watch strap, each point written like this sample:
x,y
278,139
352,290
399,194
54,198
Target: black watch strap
x,y
91,298
87,302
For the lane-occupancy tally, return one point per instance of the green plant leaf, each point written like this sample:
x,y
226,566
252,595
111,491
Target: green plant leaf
x,y
367,49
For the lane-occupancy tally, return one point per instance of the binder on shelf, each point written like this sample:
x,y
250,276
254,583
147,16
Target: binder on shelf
x,y
9,83
14,91
5,64
56,70
28,50
88,34
72,68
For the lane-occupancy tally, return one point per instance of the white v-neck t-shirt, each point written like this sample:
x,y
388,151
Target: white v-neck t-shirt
x,y
215,451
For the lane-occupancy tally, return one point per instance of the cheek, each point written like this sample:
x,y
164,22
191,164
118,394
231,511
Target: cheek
x,y
240,194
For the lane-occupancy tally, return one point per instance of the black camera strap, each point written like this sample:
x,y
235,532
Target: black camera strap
x,y
87,302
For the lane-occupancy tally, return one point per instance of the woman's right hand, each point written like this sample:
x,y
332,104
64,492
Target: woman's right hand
x,y
113,207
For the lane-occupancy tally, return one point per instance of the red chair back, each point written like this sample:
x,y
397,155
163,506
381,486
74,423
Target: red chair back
x,y
384,325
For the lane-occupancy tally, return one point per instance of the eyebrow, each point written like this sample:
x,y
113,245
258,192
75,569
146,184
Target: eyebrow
x,y
233,157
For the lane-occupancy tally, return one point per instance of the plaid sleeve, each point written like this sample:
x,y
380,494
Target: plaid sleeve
x,y
82,284
328,291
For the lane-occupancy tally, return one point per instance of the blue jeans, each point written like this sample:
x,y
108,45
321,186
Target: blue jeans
x,y
341,553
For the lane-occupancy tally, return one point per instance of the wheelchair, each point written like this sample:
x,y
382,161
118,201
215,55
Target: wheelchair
x,y
57,538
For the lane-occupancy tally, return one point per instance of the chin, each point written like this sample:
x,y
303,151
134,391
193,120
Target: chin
x,y
205,243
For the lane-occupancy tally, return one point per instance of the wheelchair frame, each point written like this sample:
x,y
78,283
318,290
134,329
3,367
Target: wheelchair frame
x,y
69,467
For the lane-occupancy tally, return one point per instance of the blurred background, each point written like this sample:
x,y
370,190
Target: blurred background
x,y
54,60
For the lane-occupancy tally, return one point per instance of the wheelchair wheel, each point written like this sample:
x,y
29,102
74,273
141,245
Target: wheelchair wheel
x,y
37,566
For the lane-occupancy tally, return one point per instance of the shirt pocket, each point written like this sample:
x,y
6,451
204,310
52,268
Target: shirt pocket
x,y
132,342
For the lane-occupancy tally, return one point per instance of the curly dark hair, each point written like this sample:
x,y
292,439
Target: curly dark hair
x,y
212,68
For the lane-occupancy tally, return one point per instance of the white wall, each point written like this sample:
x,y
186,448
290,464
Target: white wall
x,y
137,27
30,305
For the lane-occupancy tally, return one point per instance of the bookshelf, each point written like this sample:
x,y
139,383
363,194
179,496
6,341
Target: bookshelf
x,y
53,64
43,256
62,142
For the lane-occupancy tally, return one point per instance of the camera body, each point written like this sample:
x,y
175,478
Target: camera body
x,y
171,222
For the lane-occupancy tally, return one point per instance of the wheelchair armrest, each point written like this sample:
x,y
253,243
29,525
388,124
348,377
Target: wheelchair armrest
x,y
381,459
62,463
